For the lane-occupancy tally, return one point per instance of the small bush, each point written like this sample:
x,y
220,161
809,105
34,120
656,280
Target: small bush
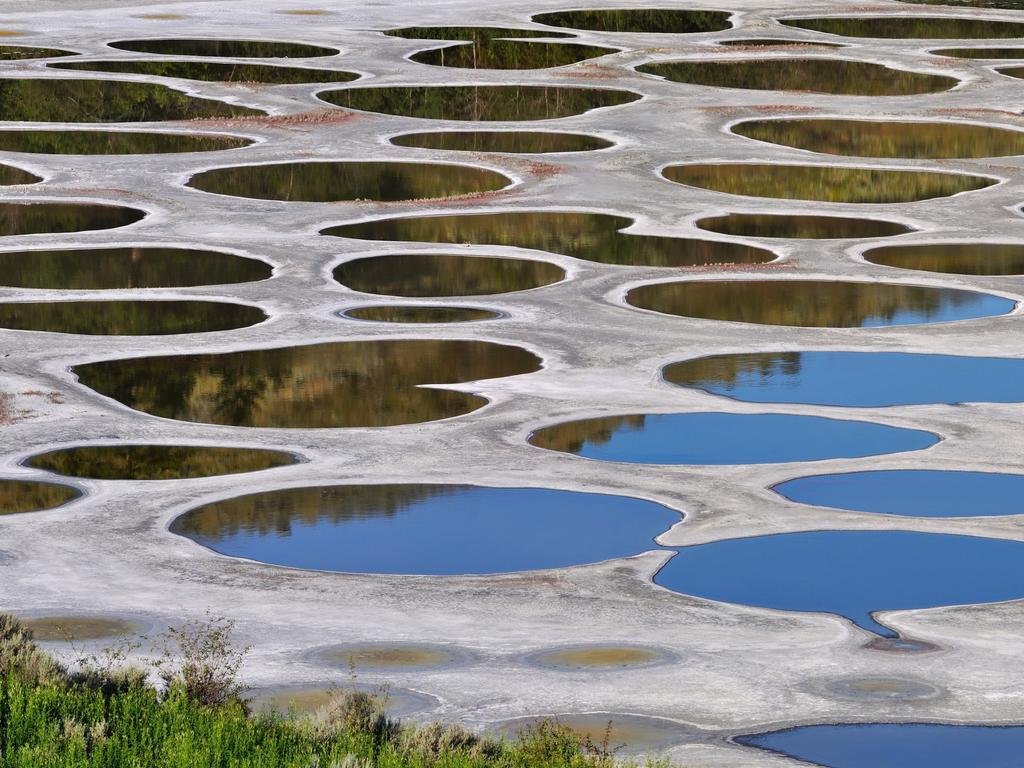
x,y
202,660
20,656
436,740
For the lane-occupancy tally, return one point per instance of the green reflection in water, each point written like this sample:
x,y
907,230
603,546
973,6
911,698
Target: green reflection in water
x,y
29,496
1017,72
113,142
725,371
47,100
777,42
1015,5
108,268
157,462
587,236
879,138
325,182
808,227
35,218
214,71
981,53
512,142
341,384
830,184
653,20
834,76
953,258
396,313
421,275
22,52
232,49
472,34
479,102
911,27
571,436
814,303
510,54
128,318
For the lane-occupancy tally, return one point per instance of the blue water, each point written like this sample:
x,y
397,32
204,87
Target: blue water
x,y
851,573
912,492
864,379
427,529
897,745
728,438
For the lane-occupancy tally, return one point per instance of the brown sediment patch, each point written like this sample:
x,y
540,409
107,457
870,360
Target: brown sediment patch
x,y
306,12
876,688
10,32
310,117
302,700
629,733
387,656
162,16
76,628
600,657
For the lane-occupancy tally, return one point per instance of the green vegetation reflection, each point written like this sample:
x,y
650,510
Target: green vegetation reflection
x,y
886,138
807,227
113,142
777,42
128,318
48,100
588,236
911,27
87,269
512,142
18,496
232,49
36,218
325,182
472,34
409,313
342,384
650,20
953,258
816,303
424,275
1014,5
833,76
22,52
1017,72
9,175
831,184
981,53
510,54
479,102
215,71
157,462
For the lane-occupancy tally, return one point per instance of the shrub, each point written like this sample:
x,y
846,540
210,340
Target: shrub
x,y
202,660
20,656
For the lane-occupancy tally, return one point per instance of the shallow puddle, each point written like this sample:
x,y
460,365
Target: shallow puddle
x,y
857,379
424,275
86,269
510,54
875,688
777,42
619,733
887,138
912,492
511,142
587,236
21,52
817,303
953,258
806,227
104,101
644,20
18,496
375,657
307,700
157,462
325,182
383,528
827,183
897,745
128,318
479,102
72,628
418,313
726,438
76,142
231,49
833,76
341,384
1016,72
223,72
911,27
38,218
982,53
599,657
855,573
